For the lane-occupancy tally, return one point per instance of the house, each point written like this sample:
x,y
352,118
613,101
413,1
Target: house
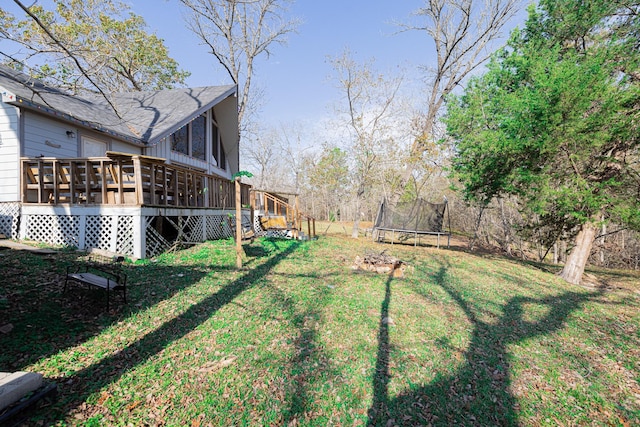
x,y
133,175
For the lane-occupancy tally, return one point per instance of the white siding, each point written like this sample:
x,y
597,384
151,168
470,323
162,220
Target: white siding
x,y
161,149
188,161
9,154
48,137
123,147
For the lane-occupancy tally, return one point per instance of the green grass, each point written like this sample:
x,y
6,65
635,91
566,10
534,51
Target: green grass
x,y
299,338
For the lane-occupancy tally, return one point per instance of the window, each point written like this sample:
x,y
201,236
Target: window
x,y
223,159
193,139
180,140
199,137
93,148
216,146
214,142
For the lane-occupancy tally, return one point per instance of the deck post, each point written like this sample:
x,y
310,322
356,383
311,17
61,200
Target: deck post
x,y
137,171
113,233
296,218
238,225
139,236
152,184
54,179
265,206
82,232
40,182
103,182
252,207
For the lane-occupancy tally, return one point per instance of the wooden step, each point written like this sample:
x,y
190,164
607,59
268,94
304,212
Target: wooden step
x,y
14,385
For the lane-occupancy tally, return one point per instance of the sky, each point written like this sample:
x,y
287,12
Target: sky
x,y
296,78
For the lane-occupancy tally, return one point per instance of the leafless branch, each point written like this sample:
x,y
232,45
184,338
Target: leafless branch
x,y
462,32
69,53
237,32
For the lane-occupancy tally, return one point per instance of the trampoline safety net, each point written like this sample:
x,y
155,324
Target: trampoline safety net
x,y
418,215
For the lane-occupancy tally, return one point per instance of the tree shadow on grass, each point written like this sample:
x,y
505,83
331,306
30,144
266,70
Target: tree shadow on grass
x,y
45,320
87,381
378,412
309,362
478,393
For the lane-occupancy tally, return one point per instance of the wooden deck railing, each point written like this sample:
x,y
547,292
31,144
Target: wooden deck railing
x,y
271,204
124,180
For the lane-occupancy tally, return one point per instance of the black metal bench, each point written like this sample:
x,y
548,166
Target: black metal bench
x,y
107,275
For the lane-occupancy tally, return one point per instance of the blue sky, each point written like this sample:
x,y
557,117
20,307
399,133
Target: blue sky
x,y
296,77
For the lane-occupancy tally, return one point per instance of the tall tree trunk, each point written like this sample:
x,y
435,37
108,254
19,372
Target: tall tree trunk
x,y
577,259
472,243
506,229
356,217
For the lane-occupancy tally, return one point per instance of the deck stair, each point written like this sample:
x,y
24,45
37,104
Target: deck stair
x,y
277,217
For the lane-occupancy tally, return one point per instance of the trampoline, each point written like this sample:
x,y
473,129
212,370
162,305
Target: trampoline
x,y
412,219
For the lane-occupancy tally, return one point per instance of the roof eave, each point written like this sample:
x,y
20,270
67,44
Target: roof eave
x,y
18,101
233,90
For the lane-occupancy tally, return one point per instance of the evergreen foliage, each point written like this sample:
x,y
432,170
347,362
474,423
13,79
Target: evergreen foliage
x,y
555,118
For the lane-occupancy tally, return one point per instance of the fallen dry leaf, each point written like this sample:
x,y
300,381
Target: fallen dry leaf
x,y
214,366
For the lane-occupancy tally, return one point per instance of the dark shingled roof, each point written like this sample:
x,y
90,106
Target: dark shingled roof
x,y
146,116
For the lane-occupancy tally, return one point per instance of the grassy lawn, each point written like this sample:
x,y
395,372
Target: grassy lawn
x,y
299,338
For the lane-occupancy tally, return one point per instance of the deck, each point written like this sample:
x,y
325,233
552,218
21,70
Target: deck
x,y
124,179
137,206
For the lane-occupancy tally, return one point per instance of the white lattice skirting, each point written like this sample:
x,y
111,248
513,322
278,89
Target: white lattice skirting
x,y
135,232
9,219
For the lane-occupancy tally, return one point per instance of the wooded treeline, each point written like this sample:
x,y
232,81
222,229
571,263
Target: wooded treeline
x,y
542,146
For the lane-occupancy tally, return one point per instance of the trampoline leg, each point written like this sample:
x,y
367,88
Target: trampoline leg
x,y
438,240
415,240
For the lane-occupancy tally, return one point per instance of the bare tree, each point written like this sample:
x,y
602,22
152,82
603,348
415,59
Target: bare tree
x,y
462,32
237,32
263,156
292,138
369,101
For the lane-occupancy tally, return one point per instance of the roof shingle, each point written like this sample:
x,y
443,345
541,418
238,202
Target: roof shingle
x,y
143,117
